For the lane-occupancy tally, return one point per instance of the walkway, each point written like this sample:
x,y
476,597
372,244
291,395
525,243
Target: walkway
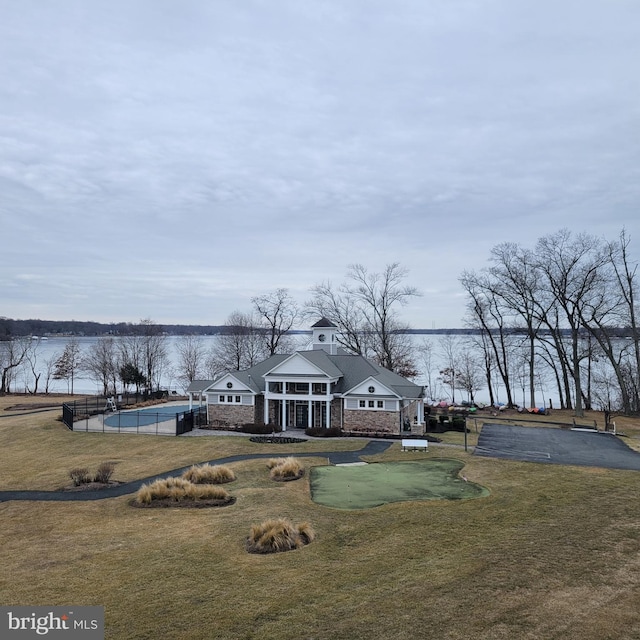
x,y
373,447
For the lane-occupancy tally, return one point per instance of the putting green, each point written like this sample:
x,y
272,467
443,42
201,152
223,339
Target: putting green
x,y
372,485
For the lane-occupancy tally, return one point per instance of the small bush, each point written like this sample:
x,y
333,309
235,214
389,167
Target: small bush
x,y
179,489
276,535
321,432
286,469
104,472
260,429
80,476
208,474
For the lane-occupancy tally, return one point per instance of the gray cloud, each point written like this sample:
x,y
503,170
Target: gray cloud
x,y
170,160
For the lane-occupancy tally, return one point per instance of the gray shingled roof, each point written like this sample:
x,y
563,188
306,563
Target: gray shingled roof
x,y
324,322
198,386
357,369
349,369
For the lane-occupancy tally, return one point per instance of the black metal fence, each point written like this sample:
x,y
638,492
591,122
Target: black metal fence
x,y
189,420
98,414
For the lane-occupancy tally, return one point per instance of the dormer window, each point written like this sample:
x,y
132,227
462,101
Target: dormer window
x,y
322,337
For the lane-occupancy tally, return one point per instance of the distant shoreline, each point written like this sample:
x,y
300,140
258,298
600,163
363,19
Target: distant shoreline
x,y
79,328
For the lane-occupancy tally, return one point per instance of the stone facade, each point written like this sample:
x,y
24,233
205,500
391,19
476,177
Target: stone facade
x,y
230,415
359,421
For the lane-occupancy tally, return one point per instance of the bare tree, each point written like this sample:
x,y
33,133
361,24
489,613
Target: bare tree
x,y
191,357
624,276
278,312
469,373
13,352
68,364
365,308
516,281
240,346
100,362
30,367
487,314
572,269
155,357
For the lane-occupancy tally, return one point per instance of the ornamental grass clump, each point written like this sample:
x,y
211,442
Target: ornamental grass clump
x,y
277,535
285,469
208,474
179,490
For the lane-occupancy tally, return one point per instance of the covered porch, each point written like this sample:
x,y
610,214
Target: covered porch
x,y
290,413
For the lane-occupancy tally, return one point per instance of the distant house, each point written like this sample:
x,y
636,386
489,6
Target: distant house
x,y
323,387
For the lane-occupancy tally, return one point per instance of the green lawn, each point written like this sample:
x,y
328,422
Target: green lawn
x,y
552,552
372,485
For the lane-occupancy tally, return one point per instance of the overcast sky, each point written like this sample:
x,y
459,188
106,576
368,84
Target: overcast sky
x,y
171,159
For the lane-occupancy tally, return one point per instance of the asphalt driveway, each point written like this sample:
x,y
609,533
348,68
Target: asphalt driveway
x,y
556,446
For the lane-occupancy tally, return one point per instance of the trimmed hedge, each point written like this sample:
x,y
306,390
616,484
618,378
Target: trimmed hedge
x,y
260,429
321,432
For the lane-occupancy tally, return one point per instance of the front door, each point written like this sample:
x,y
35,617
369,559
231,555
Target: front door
x,y
302,415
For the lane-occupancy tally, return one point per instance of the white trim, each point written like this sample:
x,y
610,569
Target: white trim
x,y
298,355
380,389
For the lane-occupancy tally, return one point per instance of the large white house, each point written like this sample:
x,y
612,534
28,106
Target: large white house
x,y
323,387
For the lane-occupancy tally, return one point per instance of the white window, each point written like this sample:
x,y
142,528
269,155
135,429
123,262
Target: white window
x,y
380,404
221,399
363,404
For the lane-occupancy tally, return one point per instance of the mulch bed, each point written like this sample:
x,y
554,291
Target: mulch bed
x,y
288,478
185,504
276,440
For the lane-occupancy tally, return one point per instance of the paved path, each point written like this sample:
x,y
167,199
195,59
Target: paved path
x,y
556,446
373,447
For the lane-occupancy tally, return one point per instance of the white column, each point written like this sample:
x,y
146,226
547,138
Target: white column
x,y
309,413
327,406
266,409
284,414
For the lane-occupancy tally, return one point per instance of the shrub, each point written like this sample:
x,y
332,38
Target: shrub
x,y
286,469
207,474
179,489
277,535
260,429
80,476
321,432
104,472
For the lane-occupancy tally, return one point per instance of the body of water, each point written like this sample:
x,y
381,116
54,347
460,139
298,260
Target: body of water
x,y
52,347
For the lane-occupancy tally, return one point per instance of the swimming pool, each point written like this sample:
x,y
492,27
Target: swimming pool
x,y
145,417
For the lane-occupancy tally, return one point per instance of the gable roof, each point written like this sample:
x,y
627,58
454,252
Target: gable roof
x,y
349,370
357,369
